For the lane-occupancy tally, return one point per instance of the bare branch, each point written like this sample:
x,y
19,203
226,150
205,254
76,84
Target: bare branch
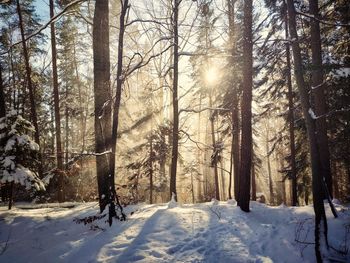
x,y
52,20
203,109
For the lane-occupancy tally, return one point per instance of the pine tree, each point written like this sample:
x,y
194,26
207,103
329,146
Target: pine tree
x,y
19,154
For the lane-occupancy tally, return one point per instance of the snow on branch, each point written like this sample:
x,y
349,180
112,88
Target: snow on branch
x,y
19,154
313,115
320,20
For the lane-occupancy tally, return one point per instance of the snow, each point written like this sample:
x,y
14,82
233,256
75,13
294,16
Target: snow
x,y
24,176
172,203
312,114
205,232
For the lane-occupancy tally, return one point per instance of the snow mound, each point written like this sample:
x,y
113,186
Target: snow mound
x,y
214,201
231,202
172,203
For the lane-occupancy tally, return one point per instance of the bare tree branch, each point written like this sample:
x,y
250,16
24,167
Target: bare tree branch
x,y
52,20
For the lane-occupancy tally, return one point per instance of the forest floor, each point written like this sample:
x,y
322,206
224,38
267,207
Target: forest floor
x,y
207,232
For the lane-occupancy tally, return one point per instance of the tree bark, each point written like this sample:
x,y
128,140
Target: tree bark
x,y
317,190
319,95
113,143
213,140
56,99
235,147
151,171
67,134
253,182
175,133
269,164
2,96
102,97
291,119
33,114
246,142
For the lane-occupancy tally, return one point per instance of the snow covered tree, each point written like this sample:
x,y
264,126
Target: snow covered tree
x,y
19,154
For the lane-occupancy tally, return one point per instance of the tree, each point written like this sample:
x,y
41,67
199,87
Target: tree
x,y
175,139
34,116
102,96
115,117
19,154
317,181
319,96
291,117
235,144
246,141
59,156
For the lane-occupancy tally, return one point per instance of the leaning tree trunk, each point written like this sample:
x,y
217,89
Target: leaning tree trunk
x,y
317,190
113,143
33,114
246,142
102,97
56,100
319,96
175,133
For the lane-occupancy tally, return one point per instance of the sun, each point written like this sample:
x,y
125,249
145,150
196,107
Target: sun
x,y
211,76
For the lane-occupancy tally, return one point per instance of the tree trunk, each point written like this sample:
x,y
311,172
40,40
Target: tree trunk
x,y
192,188
213,141
235,147
11,186
335,179
33,114
113,143
291,119
200,183
269,164
81,108
223,185
319,96
253,183
151,171
66,139
102,97
246,142
175,133
317,190
2,96
56,99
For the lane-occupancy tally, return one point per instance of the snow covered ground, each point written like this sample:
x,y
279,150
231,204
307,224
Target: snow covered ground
x,y
209,232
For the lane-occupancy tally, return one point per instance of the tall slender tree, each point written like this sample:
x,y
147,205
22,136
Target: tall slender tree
x,y
246,142
291,116
56,99
319,95
33,111
175,134
235,146
116,106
